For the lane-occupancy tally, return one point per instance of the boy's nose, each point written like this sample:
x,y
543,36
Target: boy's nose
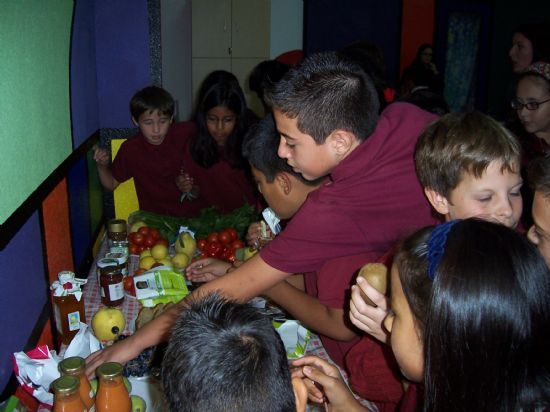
x,y
282,151
505,208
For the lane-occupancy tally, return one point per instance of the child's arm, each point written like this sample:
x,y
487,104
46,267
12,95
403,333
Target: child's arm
x,y
366,317
334,390
101,157
250,280
312,313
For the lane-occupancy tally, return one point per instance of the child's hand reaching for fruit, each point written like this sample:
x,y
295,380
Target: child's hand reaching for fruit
x,y
207,269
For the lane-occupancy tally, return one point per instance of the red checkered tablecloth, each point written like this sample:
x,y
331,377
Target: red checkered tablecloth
x,y
92,298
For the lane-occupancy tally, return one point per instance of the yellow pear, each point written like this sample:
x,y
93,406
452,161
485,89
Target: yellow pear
x,y
147,262
145,253
180,260
108,323
166,262
185,243
159,252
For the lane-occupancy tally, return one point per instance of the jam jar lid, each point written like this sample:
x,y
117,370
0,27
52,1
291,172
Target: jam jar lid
x,y
117,225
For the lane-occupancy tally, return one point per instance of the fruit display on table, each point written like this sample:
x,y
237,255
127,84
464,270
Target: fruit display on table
x,y
144,238
221,245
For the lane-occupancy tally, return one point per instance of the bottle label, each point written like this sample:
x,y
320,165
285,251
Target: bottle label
x,y
116,291
73,319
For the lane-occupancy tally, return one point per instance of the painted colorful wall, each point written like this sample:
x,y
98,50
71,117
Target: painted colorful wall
x,y
52,225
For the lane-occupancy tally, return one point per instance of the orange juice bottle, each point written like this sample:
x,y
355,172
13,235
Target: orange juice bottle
x,y
112,395
66,396
76,366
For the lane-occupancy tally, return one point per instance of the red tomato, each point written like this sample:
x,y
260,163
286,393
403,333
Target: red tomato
x,y
149,241
145,230
156,265
155,233
128,283
225,237
141,248
136,238
232,232
231,256
214,248
139,239
133,249
212,237
201,244
162,241
139,271
237,244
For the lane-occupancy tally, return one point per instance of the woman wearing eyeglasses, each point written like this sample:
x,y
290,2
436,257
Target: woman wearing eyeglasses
x,y
532,125
532,105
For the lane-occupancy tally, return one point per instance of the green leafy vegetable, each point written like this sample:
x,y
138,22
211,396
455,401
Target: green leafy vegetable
x,y
209,220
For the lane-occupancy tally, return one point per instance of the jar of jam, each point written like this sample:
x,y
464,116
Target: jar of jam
x,y
103,263
117,233
121,259
68,305
76,366
66,395
111,285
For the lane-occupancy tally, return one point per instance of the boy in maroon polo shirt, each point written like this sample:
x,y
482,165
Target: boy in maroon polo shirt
x,y
154,157
326,113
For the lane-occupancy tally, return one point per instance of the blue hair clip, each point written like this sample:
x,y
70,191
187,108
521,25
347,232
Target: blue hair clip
x,y
436,246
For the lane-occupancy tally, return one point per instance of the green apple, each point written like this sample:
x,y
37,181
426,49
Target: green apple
x,y
138,404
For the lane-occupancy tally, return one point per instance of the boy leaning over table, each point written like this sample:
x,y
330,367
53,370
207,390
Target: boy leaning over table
x,y
326,114
316,298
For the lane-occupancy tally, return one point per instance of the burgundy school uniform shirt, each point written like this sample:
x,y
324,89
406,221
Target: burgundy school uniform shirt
x,y
372,200
221,185
154,169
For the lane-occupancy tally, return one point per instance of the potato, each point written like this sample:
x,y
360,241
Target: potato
x,y
376,274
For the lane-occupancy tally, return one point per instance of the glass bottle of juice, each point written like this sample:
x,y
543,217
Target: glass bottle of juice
x,y
112,395
76,366
66,396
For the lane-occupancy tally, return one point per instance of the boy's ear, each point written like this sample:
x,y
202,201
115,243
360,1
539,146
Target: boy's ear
x,y
284,182
437,200
342,141
135,121
300,394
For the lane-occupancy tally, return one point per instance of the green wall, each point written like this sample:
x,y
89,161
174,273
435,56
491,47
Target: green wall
x,y
35,132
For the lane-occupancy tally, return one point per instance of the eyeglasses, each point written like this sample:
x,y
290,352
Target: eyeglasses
x,y
517,105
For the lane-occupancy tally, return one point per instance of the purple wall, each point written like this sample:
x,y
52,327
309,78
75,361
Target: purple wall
x,y
23,293
122,55
84,105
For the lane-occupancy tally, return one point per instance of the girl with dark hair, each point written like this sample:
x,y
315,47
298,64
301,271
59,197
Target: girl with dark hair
x,y
470,315
471,303
214,172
